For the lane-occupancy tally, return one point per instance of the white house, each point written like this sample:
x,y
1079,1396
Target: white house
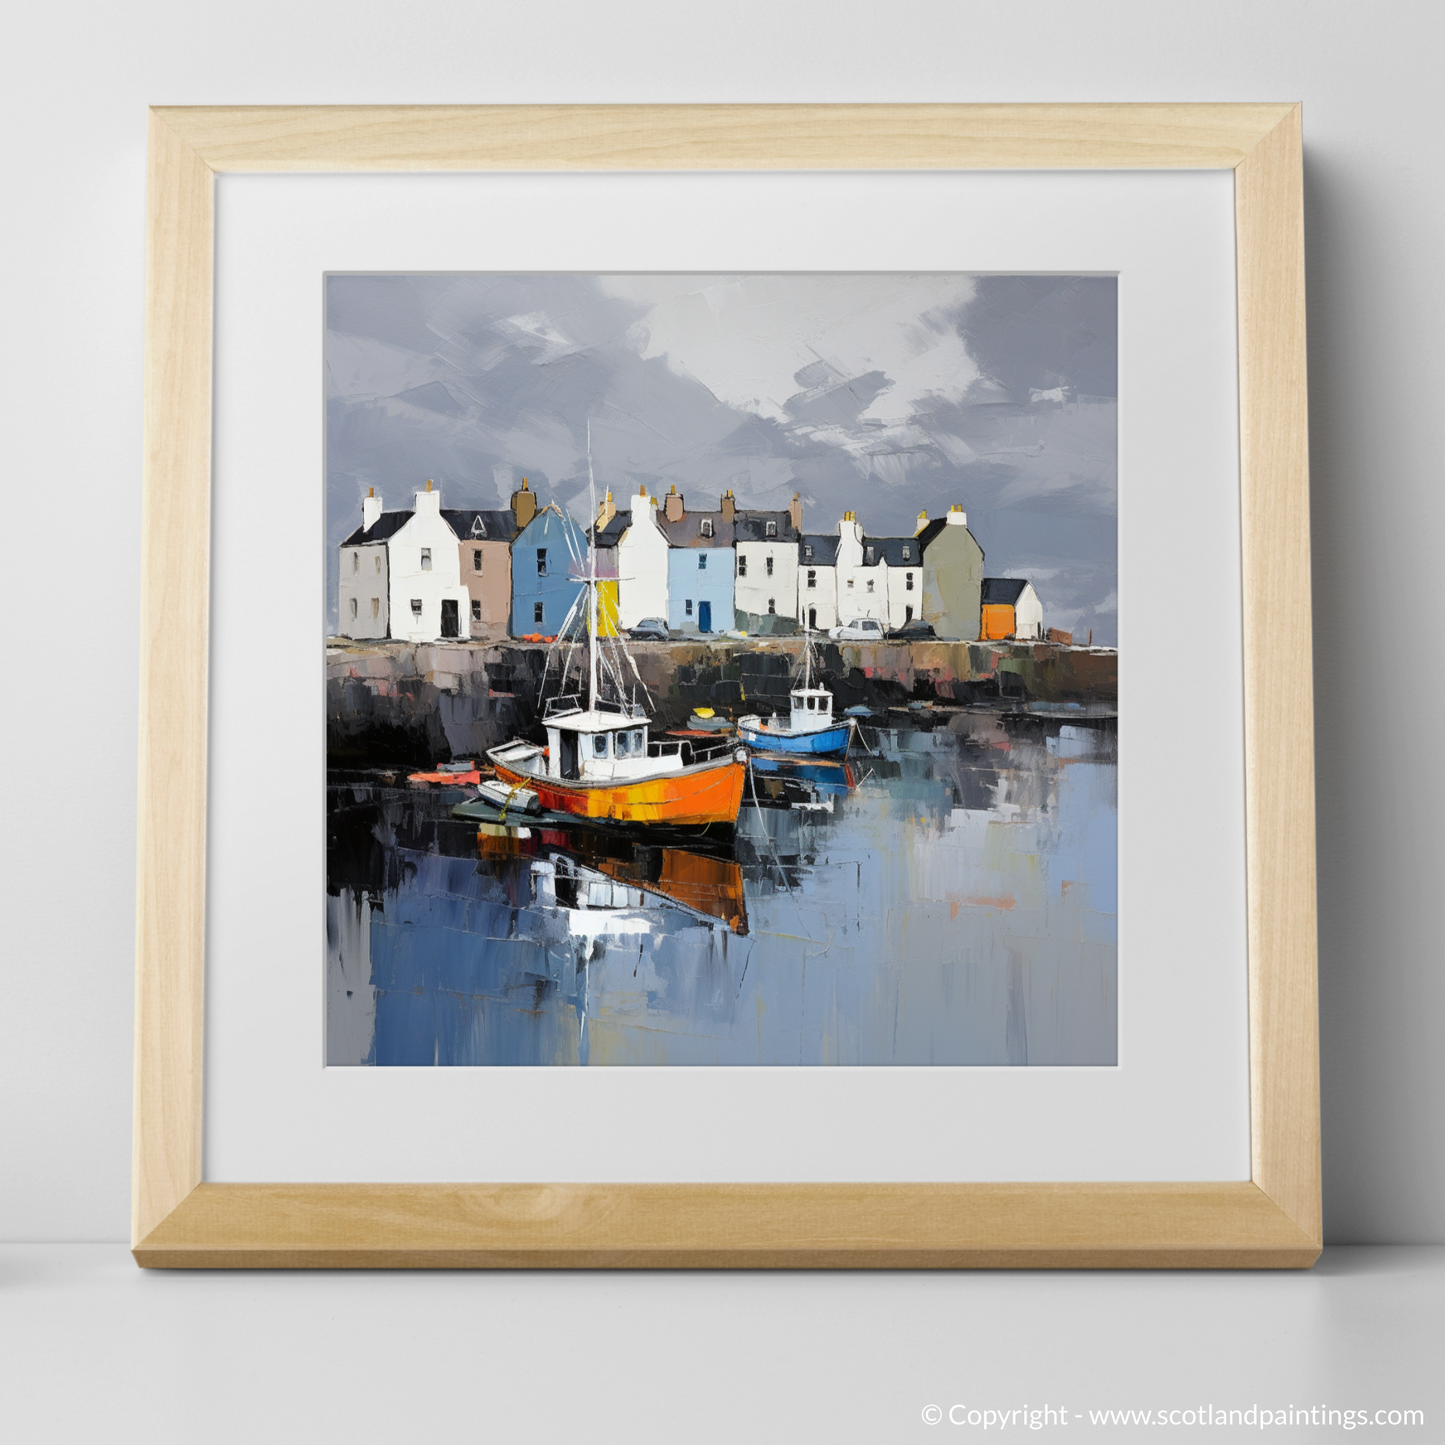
x,y
862,580
362,604
401,575
818,580
641,565
765,577
1011,609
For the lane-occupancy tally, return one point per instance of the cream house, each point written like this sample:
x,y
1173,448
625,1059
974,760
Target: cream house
x,y
641,564
765,576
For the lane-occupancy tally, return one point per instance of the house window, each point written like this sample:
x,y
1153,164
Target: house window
x,y
908,581
356,561
541,561
376,606
772,606
537,612
416,608
687,606
812,579
707,526
771,529
907,552
770,564
476,610
808,553
378,561
869,556
850,584
742,564
870,584
702,561
476,559
426,559
353,608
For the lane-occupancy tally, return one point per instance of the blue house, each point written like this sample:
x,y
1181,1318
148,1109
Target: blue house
x,y
699,567
549,561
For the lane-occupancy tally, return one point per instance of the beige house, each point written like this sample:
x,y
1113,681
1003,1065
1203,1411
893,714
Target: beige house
x,y
484,542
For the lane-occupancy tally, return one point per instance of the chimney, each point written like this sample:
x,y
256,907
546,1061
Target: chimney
x,y
643,507
957,517
850,525
728,505
672,508
524,505
795,512
606,510
427,501
370,509
922,521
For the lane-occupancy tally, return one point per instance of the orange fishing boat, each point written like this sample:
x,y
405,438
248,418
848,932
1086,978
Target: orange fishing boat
x,y
599,761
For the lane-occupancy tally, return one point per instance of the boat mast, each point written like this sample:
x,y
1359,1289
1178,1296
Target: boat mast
x,y
592,571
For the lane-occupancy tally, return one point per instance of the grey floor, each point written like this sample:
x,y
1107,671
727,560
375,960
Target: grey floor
x,y
93,1349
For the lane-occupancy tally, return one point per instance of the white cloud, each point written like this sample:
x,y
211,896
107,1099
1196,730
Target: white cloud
x,y
746,338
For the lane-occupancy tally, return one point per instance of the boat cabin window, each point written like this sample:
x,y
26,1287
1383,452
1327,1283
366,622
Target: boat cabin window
x,y
599,745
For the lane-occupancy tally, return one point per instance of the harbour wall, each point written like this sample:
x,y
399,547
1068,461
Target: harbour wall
x,y
399,703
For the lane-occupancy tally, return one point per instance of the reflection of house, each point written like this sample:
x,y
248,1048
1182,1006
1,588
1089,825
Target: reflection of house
x,y
818,580
484,540
416,554
765,585
699,566
1011,608
641,564
549,561
952,575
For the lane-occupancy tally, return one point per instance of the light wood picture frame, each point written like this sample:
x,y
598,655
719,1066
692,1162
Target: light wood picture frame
x,y
1271,1220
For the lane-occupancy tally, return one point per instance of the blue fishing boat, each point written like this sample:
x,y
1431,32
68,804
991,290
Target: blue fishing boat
x,y
810,727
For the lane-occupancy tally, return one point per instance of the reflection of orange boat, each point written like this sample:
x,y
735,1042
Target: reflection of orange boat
x,y
706,885
461,775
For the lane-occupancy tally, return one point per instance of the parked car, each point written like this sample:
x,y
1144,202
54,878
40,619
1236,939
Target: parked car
x,y
861,629
916,630
650,629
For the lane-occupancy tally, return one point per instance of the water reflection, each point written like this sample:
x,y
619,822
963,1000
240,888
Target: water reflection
x,y
947,897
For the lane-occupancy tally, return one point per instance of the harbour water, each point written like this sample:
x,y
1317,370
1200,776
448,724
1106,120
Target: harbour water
x,y
947,896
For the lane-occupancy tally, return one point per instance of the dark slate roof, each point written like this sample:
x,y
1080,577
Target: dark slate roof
x,y
612,532
1003,589
890,550
498,526
752,527
687,530
825,548
934,528
386,525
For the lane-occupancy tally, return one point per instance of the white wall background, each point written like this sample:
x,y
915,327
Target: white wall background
x,y
75,79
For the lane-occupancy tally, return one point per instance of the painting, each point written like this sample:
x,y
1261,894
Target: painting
x,y
721,670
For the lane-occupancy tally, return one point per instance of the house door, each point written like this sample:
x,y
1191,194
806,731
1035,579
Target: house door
x,y
908,614
451,627
704,616
812,619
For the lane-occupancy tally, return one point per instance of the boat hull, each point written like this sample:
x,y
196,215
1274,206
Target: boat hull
x,y
704,793
819,744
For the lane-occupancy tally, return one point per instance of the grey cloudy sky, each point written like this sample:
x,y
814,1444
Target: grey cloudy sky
x,y
880,394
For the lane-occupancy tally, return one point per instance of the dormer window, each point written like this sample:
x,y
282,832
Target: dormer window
x,y
907,552
479,528
808,552
870,556
707,526
771,529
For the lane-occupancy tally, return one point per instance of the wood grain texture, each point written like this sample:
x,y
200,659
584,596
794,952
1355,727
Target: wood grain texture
x,y
704,1226
1278,681
1274,1221
720,137
175,568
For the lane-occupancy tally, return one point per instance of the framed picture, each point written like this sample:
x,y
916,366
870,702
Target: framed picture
x,y
748,534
